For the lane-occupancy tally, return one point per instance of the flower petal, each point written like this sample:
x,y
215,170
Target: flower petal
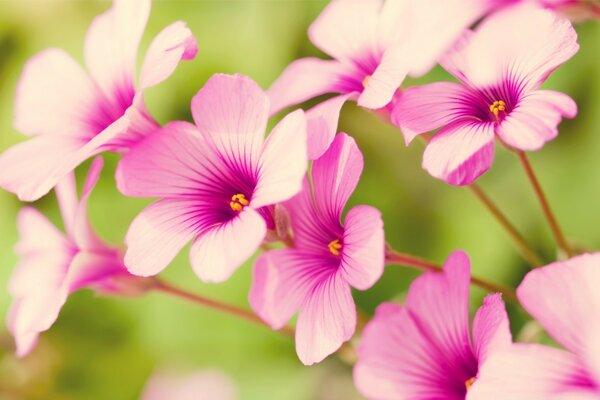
x,y
335,176
422,109
54,97
173,44
562,296
305,79
461,152
83,234
282,279
363,251
220,250
326,320
491,327
160,231
396,361
111,47
537,43
171,162
534,121
323,123
37,285
347,30
526,372
439,302
283,161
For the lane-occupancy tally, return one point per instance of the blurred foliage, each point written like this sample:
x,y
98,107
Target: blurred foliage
x,y
105,348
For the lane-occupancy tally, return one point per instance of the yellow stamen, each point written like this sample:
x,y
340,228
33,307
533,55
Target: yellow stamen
x,y
238,202
365,81
497,106
469,383
334,247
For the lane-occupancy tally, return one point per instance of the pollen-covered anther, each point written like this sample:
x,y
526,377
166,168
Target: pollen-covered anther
x,y
497,106
365,81
238,202
334,247
469,382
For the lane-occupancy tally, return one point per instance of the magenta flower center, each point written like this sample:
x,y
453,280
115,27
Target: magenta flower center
x,y
334,247
238,202
497,108
469,382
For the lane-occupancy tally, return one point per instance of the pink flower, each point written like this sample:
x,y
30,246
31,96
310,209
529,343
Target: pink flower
x,y
423,350
200,385
216,181
52,265
564,298
374,45
500,71
329,257
72,114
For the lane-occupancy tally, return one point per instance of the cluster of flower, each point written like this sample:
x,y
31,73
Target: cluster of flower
x,y
225,188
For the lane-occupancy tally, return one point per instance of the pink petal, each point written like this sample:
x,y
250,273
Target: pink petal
x,y
305,79
223,248
31,168
422,109
526,372
346,30
459,153
335,176
491,327
562,297
363,249
54,96
200,385
537,43
281,281
283,161
385,80
396,361
534,121
37,285
66,194
90,269
111,47
159,232
165,164
174,43
83,234
439,303
437,25
323,124
232,110
326,320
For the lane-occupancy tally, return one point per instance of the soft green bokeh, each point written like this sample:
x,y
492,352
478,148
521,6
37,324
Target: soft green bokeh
x,y
105,348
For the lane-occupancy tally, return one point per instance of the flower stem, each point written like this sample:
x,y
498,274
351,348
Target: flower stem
x,y
216,305
398,258
526,251
539,192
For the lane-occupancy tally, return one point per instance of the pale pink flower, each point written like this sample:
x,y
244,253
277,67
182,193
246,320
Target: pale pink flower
x,y
199,385
424,349
565,299
329,257
52,265
72,114
500,67
217,181
374,45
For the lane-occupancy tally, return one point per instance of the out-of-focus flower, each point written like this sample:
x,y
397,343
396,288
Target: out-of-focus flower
x,y
52,265
200,385
424,350
328,259
564,298
500,70
374,45
72,114
217,181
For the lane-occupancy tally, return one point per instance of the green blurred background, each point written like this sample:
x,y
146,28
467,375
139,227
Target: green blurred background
x,y
106,348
